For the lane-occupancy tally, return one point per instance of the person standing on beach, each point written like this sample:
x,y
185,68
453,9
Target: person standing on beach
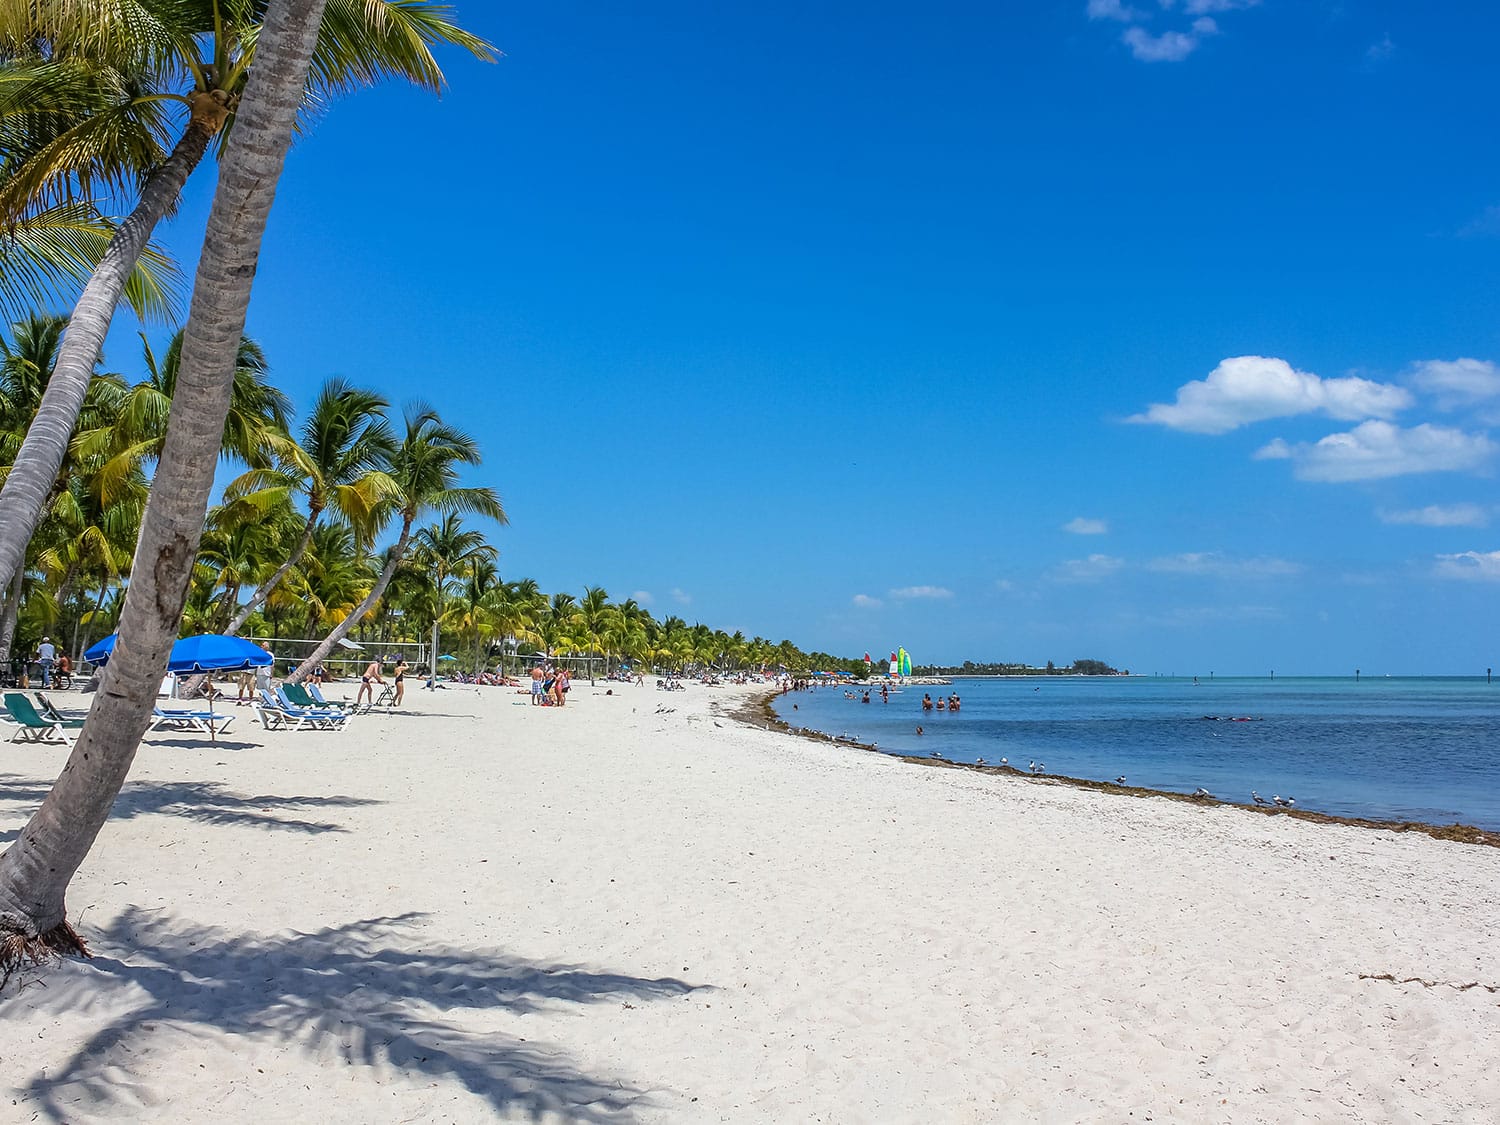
x,y
368,681
400,675
46,655
537,675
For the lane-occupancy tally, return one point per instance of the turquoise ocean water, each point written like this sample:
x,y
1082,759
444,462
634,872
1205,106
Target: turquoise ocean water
x,y
1389,748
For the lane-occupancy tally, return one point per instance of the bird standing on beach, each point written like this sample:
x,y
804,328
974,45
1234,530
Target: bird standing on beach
x,y
1005,761
1283,802
1259,800
1120,780
1201,792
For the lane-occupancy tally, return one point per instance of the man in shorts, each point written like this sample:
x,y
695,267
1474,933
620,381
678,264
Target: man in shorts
x,y
367,683
537,676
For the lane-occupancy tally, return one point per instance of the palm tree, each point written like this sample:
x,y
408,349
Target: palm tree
x,y
422,477
116,75
132,435
36,869
334,466
443,550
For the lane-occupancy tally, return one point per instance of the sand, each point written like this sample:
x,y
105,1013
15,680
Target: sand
x,y
617,913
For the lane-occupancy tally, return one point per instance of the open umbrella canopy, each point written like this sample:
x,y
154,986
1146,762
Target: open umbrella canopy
x,y
207,652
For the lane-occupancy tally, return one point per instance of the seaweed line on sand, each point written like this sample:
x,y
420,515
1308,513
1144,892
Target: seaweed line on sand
x,y
756,711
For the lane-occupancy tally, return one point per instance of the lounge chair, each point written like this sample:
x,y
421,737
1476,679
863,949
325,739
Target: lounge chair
x,y
274,713
203,722
48,710
32,727
299,695
315,693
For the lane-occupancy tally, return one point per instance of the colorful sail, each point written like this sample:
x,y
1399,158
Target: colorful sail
x,y
903,662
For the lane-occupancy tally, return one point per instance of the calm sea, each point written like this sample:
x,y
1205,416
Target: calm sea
x,y
1409,748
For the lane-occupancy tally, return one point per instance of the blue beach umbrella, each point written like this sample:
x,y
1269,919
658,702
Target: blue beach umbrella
x,y
207,652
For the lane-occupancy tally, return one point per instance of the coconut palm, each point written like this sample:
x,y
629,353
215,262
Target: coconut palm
x,y
443,551
36,869
422,477
131,436
334,467
119,68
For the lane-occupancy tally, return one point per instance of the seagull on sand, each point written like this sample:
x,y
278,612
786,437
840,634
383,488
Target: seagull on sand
x,y
1005,761
1283,802
1120,780
1038,767
1258,799
1201,792
979,761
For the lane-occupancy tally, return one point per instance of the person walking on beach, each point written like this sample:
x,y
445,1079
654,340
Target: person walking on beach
x,y
367,683
400,676
46,655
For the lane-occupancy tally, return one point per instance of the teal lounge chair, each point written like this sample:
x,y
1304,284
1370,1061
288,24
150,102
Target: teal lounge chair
x,y
32,727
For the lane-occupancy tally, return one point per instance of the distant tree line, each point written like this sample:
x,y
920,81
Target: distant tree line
x,y
970,668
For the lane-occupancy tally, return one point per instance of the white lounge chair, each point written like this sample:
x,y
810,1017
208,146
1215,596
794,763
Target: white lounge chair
x,y
203,722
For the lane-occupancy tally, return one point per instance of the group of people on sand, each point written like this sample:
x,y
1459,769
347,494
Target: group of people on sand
x,y
549,686
952,703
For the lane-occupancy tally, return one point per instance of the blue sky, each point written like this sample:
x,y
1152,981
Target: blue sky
x,y
1161,333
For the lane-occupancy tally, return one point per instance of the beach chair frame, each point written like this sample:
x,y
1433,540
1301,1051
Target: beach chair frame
x,y
32,726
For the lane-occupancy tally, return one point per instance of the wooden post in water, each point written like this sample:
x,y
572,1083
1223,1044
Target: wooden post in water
x,y
1356,675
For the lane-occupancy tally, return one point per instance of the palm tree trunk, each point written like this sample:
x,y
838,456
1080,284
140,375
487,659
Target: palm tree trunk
x,y
258,598
36,869
88,634
41,454
341,630
11,614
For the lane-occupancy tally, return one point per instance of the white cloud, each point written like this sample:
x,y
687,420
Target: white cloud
x,y
907,592
1079,525
1112,10
681,597
1439,515
642,596
1481,565
1375,450
864,601
1215,565
1169,46
1487,222
1005,585
1251,388
1200,7
1458,382
1091,569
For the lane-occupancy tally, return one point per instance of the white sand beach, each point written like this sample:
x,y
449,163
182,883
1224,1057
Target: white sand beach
x,y
605,913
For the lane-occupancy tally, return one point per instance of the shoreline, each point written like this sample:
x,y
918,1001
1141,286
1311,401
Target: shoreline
x,y
761,713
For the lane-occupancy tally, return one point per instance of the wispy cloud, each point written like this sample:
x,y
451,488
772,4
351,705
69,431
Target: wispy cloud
x,y
1169,46
1092,569
1193,617
681,597
1481,566
1113,10
1484,225
906,593
1457,383
1215,565
1252,388
1381,50
1080,525
864,601
643,596
1376,450
1439,515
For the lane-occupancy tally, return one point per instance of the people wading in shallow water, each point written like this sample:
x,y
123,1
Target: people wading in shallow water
x,y
926,702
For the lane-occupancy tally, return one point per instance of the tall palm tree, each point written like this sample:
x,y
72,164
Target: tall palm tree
x,y
334,466
132,435
36,869
109,128
443,550
422,477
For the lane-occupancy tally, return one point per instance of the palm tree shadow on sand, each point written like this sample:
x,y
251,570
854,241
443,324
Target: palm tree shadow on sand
x,y
356,994
206,802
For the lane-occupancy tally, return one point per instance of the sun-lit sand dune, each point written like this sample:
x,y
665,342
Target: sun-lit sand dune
x,y
637,908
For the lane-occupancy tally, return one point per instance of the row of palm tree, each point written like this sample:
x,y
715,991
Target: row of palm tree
x,y
290,549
